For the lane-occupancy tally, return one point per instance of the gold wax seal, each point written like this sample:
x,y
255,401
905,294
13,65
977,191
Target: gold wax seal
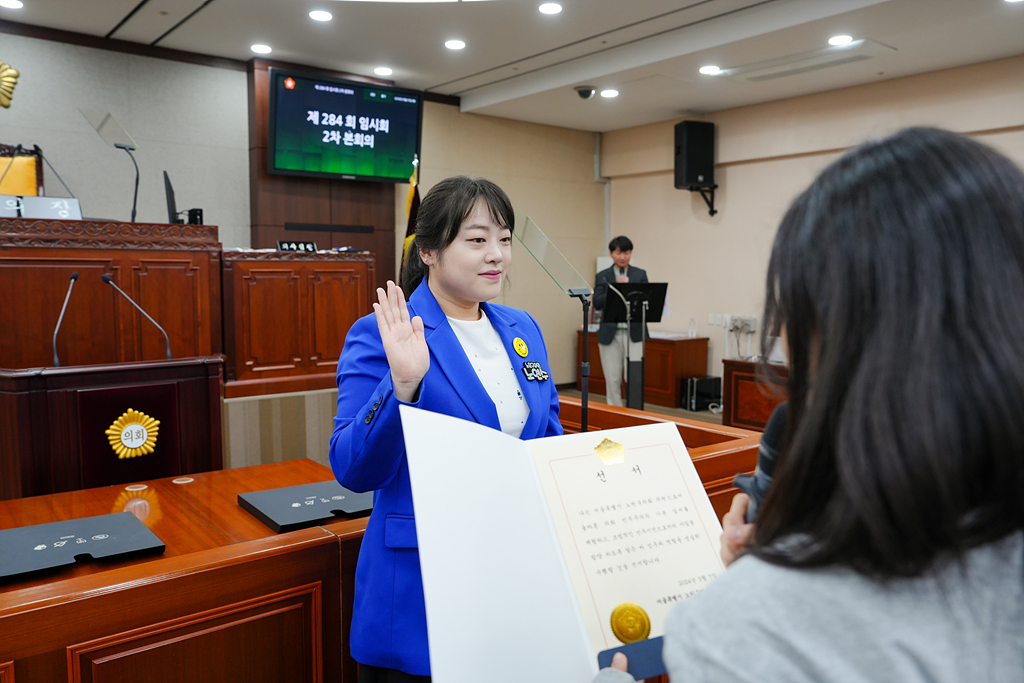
x,y
630,622
611,453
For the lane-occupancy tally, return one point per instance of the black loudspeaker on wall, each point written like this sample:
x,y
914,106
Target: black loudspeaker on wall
x,y
695,155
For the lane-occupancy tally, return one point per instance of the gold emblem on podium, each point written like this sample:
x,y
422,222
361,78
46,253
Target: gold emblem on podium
x,y
8,79
133,434
630,622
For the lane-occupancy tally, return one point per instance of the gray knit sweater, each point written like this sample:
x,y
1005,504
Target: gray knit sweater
x,y
759,623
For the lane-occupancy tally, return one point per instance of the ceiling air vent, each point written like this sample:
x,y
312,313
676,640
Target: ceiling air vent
x,y
804,62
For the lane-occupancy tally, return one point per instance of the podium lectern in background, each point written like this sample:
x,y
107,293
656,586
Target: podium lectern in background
x,y
55,421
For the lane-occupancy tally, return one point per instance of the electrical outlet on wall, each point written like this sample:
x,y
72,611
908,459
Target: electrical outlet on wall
x,y
747,324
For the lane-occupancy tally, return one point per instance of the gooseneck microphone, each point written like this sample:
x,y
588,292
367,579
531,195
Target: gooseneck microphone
x,y
106,278
756,485
56,361
135,197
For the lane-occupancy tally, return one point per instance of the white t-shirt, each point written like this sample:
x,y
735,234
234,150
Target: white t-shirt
x,y
482,345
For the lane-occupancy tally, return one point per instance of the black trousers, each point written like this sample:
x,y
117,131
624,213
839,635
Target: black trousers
x,y
376,674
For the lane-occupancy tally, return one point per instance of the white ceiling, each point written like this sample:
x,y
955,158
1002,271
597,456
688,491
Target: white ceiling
x,y
521,64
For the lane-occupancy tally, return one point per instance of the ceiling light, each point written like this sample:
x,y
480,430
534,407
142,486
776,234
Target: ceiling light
x,y
710,70
840,40
1006,1
383,71
550,8
11,4
260,49
454,44
609,93
320,15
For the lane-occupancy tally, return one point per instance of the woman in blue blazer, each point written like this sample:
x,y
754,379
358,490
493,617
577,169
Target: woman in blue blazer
x,y
416,353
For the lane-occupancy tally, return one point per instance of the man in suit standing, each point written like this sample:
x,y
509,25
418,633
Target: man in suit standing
x,y
611,337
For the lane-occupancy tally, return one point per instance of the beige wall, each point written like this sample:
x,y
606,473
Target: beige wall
x,y
766,154
548,174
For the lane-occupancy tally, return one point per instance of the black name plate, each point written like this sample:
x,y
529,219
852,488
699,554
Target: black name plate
x,y
45,546
297,507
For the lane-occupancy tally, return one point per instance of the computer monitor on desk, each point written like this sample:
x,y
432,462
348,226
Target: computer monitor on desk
x,y
172,208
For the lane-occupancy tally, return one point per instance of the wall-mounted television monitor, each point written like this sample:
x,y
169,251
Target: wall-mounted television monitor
x,y
332,128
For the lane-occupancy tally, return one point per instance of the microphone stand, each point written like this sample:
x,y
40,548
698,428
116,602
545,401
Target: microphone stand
x,y
581,294
106,278
60,318
135,197
39,151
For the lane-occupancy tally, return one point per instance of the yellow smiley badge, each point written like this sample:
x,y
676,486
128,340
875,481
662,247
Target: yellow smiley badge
x,y
520,346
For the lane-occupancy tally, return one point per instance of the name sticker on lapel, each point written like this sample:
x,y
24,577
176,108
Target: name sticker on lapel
x,y
520,346
534,371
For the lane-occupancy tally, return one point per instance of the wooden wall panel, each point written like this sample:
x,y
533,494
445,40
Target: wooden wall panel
x,y
170,292
272,298
337,299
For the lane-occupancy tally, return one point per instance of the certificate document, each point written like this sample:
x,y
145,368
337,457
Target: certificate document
x,y
537,555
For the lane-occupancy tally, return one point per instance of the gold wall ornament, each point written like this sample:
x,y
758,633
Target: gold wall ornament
x,y
133,434
8,79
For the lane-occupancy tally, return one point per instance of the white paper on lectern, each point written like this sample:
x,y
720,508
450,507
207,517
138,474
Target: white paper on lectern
x,y
526,546
500,606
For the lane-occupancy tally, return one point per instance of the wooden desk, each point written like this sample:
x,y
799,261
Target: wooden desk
x,y
667,363
149,261
229,600
286,315
746,401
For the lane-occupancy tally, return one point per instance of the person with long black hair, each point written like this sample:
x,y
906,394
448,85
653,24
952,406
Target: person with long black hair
x,y
891,544
449,351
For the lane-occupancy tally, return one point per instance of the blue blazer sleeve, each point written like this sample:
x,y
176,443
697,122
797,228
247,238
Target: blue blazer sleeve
x,y
367,443
554,425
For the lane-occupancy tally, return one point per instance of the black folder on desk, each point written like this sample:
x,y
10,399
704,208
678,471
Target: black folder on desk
x,y
45,546
296,507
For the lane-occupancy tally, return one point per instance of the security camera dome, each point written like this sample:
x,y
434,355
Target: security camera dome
x,y
585,91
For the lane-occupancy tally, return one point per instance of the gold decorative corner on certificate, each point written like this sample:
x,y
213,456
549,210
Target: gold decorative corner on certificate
x,y
133,434
8,79
630,622
611,453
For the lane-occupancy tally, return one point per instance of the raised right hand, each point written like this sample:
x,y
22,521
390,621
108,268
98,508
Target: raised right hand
x,y
404,342
735,531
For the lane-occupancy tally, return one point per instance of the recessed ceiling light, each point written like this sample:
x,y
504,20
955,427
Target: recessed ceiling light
x,y
260,49
320,15
840,40
12,4
454,44
1013,0
550,8
710,70
383,71
609,93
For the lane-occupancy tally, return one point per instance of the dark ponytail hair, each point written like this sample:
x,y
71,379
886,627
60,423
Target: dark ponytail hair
x,y
441,213
896,276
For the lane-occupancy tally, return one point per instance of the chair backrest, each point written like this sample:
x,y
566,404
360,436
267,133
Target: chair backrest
x,y
25,177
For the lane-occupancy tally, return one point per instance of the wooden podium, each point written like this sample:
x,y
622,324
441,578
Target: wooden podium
x,y
55,421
